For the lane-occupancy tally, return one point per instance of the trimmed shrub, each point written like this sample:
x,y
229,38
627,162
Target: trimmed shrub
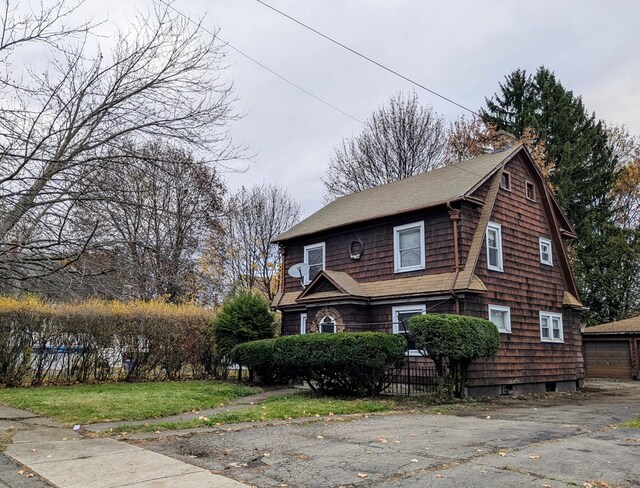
x,y
340,364
99,341
243,317
453,342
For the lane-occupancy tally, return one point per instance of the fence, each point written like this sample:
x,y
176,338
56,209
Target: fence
x,y
417,376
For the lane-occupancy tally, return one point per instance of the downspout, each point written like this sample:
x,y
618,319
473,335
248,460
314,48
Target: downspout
x,y
282,276
454,215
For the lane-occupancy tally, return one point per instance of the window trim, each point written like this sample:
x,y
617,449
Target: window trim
x,y
498,228
551,316
395,322
508,174
396,247
541,241
306,279
303,323
501,308
333,320
526,193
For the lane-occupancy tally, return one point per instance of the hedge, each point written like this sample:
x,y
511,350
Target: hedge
x,y
345,363
453,342
102,341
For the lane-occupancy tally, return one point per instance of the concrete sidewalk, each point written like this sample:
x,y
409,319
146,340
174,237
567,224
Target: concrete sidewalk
x,y
65,459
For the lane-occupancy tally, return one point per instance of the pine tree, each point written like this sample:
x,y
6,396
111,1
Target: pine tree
x,y
583,171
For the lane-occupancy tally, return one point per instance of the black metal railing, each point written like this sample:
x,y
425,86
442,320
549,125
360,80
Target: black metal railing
x,y
416,377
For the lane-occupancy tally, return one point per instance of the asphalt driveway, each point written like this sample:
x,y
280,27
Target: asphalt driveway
x,y
567,440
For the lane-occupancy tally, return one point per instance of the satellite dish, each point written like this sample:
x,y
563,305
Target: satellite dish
x,y
299,270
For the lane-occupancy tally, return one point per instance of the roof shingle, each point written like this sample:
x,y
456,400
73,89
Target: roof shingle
x,y
416,192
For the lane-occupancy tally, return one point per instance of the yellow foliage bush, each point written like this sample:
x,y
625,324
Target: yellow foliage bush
x,y
98,340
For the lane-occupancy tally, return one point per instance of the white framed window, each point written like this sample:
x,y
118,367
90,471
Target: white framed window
x,y
551,327
501,316
494,246
546,255
303,323
314,257
401,315
327,325
408,247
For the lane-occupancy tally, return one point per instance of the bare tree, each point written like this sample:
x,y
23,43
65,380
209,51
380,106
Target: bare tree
x,y
156,221
58,129
626,148
256,217
399,140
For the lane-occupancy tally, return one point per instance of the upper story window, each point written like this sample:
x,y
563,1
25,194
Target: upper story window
x,y
401,316
501,316
546,256
551,327
530,190
494,246
505,181
408,246
314,257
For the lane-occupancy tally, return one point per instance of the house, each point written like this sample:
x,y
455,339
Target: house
x,y
485,237
613,350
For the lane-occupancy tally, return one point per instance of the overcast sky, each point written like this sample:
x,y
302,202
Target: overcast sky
x,y
461,49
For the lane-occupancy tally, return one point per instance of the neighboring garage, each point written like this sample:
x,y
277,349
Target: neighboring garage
x,y
613,350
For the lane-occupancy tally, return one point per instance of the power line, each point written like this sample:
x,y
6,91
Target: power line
x,y
353,51
242,53
304,90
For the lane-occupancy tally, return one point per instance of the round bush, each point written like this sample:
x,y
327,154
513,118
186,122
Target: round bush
x,y
243,317
453,342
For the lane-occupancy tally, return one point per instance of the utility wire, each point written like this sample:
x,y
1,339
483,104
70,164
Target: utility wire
x,y
304,90
242,53
380,65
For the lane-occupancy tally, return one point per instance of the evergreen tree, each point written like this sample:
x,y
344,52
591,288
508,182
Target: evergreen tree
x,y
583,170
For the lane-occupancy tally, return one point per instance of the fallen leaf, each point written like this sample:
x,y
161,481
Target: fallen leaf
x,y
362,475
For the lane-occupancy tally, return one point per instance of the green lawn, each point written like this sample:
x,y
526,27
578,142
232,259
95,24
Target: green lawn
x,y
633,423
81,404
289,407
